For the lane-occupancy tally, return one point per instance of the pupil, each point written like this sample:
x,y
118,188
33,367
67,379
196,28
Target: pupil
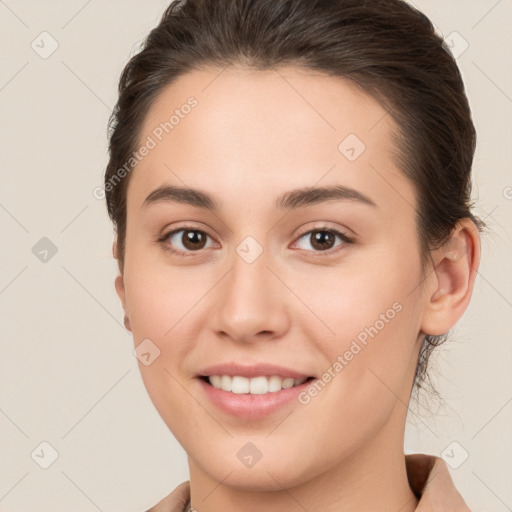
x,y
320,239
193,238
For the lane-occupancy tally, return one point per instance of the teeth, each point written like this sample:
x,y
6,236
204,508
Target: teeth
x,y
254,386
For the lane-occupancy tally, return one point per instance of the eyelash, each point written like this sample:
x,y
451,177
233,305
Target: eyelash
x,y
346,240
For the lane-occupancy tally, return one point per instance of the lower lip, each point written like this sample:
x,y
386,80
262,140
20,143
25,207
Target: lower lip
x,y
252,407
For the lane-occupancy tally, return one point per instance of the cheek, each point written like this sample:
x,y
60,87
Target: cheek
x,y
359,298
365,325
161,298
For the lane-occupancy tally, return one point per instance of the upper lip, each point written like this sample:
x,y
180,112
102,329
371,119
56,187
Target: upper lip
x,y
251,370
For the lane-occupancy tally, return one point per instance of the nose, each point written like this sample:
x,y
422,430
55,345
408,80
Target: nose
x,y
251,303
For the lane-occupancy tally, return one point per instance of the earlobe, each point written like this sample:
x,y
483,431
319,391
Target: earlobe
x,y
449,289
127,323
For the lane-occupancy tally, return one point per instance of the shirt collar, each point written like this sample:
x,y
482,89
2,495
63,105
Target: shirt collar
x,y
430,479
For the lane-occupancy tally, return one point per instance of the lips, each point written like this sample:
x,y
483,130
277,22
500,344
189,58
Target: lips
x,y
251,406
252,391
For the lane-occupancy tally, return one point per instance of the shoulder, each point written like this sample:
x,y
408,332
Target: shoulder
x,y
174,502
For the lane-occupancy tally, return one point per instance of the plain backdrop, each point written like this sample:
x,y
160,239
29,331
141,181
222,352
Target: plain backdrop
x,y
69,378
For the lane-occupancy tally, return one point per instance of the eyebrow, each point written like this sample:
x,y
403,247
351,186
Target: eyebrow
x,y
290,200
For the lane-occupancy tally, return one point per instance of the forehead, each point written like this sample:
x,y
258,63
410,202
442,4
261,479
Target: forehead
x,y
239,131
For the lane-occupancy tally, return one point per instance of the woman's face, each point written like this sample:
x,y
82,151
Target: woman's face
x,y
257,285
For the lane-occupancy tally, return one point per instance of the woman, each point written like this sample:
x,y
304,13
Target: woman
x,y
290,187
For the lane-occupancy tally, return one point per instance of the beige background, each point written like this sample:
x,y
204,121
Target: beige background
x,y
68,375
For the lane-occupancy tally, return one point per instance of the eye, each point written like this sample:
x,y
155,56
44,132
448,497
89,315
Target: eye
x,y
323,238
186,240
190,240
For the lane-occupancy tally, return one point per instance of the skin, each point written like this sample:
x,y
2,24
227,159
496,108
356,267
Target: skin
x,y
253,136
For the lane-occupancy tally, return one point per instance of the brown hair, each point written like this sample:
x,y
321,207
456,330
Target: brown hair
x,y
386,47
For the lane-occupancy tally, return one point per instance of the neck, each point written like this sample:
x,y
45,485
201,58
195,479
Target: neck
x,y
372,478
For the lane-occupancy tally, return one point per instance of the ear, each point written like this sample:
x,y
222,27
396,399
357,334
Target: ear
x,y
119,285
450,285
114,249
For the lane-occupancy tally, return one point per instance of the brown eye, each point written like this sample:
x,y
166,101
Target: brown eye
x,y
185,240
324,239
193,240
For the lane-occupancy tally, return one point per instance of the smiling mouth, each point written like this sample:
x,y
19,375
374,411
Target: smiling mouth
x,y
254,386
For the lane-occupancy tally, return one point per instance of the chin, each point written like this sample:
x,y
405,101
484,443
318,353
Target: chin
x,y
262,479
265,475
